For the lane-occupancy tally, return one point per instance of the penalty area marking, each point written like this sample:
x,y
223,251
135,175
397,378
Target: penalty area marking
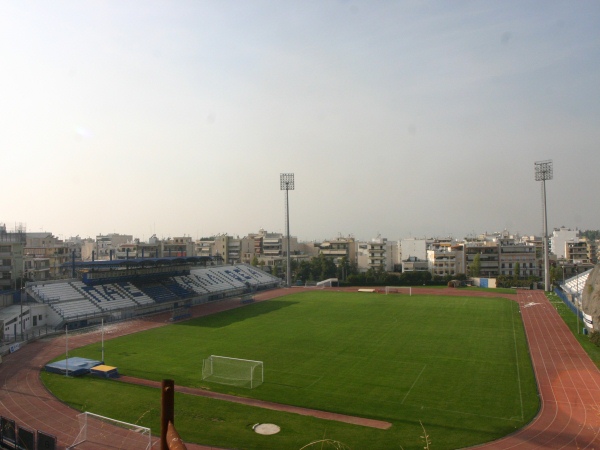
x,y
415,382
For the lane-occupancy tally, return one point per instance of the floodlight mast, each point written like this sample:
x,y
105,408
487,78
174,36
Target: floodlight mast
x,y
286,183
543,172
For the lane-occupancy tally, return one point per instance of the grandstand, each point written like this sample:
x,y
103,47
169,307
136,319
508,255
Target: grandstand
x,y
574,286
122,289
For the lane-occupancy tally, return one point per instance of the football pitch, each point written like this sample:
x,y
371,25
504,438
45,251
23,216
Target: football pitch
x,y
457,366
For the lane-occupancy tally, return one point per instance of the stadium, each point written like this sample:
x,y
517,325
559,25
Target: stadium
x,y
123,298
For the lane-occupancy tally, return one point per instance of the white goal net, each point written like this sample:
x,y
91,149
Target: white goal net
x,y
398,290
330,282
233,371
103,432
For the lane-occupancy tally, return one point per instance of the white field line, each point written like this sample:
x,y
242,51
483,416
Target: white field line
x,y
415,382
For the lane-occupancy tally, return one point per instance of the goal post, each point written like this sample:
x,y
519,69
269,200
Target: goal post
x,y
105,432
398,290
233,371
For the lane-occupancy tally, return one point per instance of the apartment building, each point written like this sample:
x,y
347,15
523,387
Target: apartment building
x,y
560,237
489,257
339,248
581,250
177,246
108,243
11,257
444,261
511,253
46,254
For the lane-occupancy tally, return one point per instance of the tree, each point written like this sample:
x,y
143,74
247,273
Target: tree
x,y
556,274
475,267
342,269
254,262
517,270
304,273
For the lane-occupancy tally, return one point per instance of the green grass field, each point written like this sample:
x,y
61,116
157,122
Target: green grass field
x,y
459,365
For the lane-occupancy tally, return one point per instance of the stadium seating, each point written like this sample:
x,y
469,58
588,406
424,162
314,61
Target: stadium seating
x,y
210,281
138,296
105,296
72,309
191,283
179,290
259,277
55,292
75,299
575,284
158,292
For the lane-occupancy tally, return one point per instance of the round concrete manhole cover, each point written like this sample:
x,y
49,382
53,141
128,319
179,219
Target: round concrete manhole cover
x,y
266,428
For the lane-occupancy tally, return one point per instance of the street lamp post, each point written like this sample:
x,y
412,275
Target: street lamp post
x,y
286,183
543,172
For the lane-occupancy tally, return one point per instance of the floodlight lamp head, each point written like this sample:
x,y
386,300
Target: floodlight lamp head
x,y
286,181
543,170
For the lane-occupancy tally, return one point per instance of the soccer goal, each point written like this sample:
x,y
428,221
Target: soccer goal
x,y
330,282
398,290
104,432
233,371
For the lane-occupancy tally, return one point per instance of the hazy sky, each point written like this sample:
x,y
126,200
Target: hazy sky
x,y
399,118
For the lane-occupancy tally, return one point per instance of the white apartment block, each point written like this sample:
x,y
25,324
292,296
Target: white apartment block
x,y
376,253
442,262
560,237
413,248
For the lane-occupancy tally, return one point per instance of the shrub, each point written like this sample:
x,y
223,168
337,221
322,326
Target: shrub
x,y
595,338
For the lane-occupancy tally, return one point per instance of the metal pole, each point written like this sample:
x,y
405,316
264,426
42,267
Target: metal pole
x,y
287,222
67,350
286,181
546,256
21,297
543,172
103,340
577,301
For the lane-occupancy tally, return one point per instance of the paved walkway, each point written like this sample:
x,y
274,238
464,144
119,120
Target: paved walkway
x,y
568,382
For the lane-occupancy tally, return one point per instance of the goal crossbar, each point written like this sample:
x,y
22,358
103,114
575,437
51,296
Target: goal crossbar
x,y
398,290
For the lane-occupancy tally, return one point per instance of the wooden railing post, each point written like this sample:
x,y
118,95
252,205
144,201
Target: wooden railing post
x,y
167,411
174,441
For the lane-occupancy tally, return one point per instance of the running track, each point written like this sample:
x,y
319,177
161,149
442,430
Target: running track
x,y
568,382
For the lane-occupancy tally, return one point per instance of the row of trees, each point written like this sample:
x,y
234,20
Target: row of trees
x,y
320,268
592,235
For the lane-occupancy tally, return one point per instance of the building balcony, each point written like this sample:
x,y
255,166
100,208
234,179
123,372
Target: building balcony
x,y
334,252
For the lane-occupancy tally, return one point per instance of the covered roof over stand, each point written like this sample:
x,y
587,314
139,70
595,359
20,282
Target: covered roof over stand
x,y
140,262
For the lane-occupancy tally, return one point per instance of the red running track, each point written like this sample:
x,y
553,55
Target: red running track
x,y
568,381
568,384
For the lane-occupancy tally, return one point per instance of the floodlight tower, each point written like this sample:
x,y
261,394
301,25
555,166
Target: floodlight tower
x,y
543,172
286,183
